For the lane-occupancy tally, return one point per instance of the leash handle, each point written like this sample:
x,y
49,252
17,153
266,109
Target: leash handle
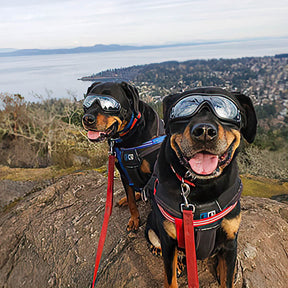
x,y
107,213
191,261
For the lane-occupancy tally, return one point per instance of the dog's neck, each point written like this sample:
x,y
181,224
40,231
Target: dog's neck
x,y
145,128
204,189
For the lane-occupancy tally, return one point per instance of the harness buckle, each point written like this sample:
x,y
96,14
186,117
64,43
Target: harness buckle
x,y
188,206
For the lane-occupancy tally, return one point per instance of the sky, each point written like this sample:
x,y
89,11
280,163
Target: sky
x,y
69,23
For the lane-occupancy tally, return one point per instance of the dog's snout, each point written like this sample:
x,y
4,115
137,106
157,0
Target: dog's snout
x,y
89,119
204,132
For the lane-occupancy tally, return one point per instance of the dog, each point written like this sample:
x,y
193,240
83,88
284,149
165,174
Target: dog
x,y
113,112
197,167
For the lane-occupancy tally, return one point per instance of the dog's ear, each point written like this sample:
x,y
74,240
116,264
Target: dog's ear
x,y
168,101
132,94
91,87
249,123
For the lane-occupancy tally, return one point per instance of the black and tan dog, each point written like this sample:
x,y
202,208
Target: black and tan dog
x,y
114,112
204,128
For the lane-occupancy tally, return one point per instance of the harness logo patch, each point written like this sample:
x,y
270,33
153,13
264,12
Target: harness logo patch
x,y
128,157
207,214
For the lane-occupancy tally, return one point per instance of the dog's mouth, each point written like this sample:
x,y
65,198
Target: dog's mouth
x,y
207,164
98,136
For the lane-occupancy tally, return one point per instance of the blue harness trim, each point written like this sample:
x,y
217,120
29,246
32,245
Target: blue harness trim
x,y
118,156
146,144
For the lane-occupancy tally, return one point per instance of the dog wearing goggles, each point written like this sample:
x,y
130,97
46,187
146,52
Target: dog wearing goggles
x,y
113,112
197,168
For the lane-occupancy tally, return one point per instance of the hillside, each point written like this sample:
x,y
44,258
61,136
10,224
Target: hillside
x,y
49,238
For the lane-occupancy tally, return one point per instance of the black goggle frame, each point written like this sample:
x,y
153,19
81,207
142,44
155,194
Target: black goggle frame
x,y
106,102
207,100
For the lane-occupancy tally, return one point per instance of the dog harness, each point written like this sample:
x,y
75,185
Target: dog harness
x,y
207,217
130,159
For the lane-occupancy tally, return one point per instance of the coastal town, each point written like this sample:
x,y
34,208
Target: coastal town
x,y
264,79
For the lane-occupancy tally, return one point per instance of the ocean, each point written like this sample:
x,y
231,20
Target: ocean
x,y
57,76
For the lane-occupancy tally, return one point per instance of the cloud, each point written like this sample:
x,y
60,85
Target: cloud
x,y
61,23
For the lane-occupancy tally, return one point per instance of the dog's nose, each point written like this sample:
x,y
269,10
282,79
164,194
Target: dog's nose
x,y
204,132
89,119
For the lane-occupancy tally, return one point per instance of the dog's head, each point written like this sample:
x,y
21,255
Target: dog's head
x,y
205,127
108,108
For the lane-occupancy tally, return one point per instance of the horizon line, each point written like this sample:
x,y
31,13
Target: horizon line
x,y
151,46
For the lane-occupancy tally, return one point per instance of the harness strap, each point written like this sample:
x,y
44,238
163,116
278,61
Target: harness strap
x,y
196,223
107,214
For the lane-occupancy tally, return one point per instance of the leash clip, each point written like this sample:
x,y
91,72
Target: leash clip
x,y
111,144
185,189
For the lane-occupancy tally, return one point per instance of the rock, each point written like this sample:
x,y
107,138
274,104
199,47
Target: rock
x,y
49,239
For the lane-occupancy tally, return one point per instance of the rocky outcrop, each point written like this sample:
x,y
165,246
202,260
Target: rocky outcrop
x,y
49,239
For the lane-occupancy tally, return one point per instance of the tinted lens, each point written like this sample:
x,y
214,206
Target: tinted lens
x,y
106,103
186,106
222,107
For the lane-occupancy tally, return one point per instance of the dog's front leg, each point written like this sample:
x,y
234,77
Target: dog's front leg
x,y
169,253
226,264
134,221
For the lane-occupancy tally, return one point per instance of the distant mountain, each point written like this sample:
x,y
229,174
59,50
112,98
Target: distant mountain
x,y
91,49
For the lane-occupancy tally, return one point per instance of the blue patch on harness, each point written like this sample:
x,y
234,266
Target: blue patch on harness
x,y
207,214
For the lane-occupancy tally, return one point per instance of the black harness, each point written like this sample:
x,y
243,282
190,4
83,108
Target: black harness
x,y
130,159
207,216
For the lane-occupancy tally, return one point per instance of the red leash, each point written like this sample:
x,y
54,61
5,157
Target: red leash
x,y
107,213
191,261
189,238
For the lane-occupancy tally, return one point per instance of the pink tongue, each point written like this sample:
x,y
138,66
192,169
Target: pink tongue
x,y
204,164
93,135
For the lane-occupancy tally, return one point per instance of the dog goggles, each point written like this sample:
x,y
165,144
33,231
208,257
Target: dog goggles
x,y
107,103
224,108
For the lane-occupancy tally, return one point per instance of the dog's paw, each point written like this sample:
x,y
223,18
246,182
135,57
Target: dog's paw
x,y
154,250
181,262
124,202
133,224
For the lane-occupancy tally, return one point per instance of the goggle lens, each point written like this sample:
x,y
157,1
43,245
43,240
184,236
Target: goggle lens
x,y
107,103
222,107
